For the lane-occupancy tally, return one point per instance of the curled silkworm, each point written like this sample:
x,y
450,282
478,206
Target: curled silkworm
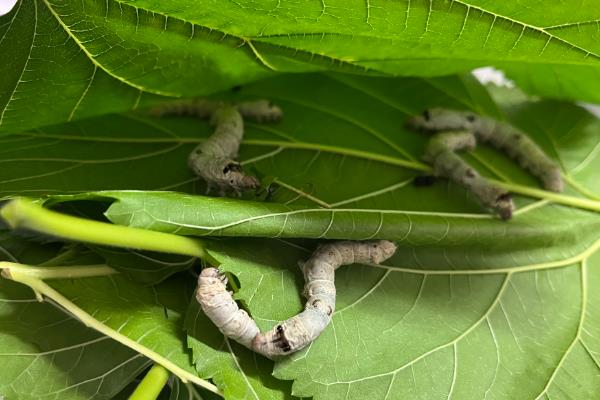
x,y
501,135
214,159
319,289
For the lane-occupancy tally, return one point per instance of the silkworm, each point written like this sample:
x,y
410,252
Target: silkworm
x,y
441,153
300,330
214,159
501,135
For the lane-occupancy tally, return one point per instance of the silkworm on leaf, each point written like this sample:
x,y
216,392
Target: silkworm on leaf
x,y
440,152
319,289
214,159
501,135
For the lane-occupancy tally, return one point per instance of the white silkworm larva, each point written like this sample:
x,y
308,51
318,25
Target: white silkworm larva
x,y
319,289
501,135
214,159
441,153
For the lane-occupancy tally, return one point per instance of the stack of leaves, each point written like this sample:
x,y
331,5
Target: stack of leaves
x,y
469,307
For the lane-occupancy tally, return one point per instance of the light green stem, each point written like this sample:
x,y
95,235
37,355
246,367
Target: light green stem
x,y
24,213
554,197
152,384
26,275
70,272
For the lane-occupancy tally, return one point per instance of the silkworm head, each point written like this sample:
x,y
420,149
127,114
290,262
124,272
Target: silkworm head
x,y
384,249
270,111
210,273
250,182
231,176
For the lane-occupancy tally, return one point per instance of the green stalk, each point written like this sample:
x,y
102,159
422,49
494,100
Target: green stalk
x,y
558,198
152,384
27,275
70,272
24,213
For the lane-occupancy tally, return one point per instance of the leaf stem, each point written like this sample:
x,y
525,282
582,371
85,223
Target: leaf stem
x,y
24,213
152,384
40,287
70,272
552,196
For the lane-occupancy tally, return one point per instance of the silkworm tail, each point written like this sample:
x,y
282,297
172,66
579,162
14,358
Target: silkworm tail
x,y
521,148
200,108
260,110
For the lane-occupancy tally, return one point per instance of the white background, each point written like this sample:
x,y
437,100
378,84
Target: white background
x,y
6,6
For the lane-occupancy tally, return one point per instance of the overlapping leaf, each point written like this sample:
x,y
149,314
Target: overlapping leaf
x,y
70,59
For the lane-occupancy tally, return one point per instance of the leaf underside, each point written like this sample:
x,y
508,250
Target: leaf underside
x,y
73,59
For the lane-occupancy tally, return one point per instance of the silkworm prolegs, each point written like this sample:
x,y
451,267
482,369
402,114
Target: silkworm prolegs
x,y
298,331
